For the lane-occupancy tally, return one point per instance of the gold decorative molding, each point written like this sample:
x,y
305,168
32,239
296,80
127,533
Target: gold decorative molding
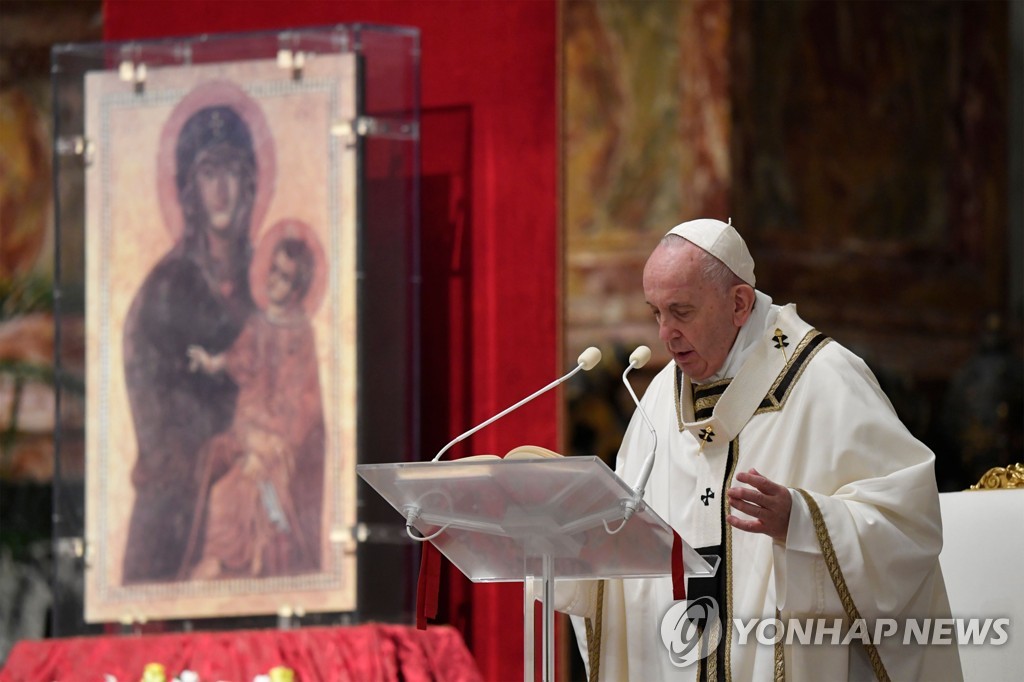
x,y
1001,478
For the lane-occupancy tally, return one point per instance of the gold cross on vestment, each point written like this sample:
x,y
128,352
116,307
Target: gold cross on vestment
x,y
707,435
781,341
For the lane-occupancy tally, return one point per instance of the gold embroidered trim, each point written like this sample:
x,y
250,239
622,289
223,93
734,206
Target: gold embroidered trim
x,y
774,402
835,571
708,390
711,658
678,377
728,554
594,636
704,396
706,403
716,634
780,654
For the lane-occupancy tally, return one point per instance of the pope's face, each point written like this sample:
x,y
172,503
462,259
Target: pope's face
x,y
697,320
218,178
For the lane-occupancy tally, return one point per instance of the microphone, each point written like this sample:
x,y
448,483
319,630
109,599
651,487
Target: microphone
x,y
587,360
638,359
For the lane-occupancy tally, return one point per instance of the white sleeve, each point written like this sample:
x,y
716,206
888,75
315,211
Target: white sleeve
x,y
798,564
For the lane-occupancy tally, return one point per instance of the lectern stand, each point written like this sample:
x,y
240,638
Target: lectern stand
x,y
532,521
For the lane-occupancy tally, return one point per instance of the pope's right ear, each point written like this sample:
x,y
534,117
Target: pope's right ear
x,y
743,297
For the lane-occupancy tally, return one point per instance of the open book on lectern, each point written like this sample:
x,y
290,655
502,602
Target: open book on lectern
x,y
498,519
495,519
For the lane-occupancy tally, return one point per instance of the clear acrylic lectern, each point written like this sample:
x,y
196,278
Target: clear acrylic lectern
x,y
532,520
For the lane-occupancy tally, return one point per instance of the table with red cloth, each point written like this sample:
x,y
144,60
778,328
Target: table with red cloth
x,y
362,653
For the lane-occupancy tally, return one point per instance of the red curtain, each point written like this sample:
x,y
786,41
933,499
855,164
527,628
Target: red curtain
x,y
489,222
364,653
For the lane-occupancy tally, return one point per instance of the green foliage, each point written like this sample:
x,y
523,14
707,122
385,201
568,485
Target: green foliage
x,y
21,296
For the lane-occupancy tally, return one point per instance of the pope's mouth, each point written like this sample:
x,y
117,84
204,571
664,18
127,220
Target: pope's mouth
x,y
683,356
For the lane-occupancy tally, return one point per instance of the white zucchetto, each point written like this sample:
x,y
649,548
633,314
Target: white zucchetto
x,y
722,241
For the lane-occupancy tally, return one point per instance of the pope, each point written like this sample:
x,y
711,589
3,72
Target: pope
x,y
779,453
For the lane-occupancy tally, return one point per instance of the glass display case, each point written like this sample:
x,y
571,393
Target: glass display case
x,y
237,326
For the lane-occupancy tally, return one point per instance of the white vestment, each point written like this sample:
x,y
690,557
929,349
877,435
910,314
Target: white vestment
x,y
808,414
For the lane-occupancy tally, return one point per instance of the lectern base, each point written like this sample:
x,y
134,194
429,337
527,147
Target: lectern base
x,y
698,586
542,587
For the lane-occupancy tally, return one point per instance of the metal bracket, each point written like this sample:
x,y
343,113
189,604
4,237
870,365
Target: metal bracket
x,y
134,73
376,126
294,60
76,145
372,533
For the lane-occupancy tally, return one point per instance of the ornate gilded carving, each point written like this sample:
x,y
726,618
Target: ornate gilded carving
x,y
1001,478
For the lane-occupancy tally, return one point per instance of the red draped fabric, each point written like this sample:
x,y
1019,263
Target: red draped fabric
x,y
364,653
489,224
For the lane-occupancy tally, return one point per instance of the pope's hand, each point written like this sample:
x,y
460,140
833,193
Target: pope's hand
x,y
766,502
